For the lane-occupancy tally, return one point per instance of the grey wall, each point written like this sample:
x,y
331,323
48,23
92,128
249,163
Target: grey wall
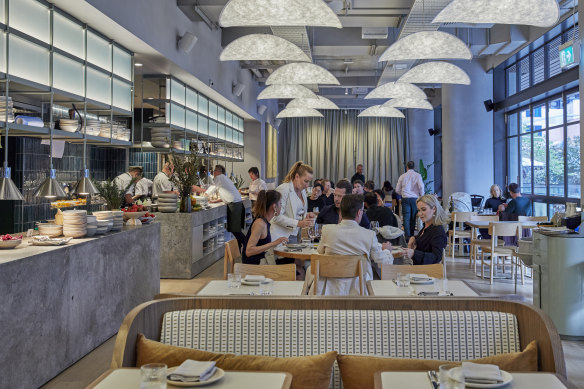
x,y
421,143
253,153
467,134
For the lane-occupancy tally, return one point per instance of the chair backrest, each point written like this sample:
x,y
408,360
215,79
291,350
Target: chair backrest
x,y
337,266
476,200
462,217
275,272
389,272
532,218
503,229
231,254
489,218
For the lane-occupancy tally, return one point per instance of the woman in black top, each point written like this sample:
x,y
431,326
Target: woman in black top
x,y
495,200
258,239
426,248
315,199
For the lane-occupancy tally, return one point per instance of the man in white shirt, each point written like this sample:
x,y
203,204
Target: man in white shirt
x,y
231,197
348,238
257,184
124,183
161,182
410,186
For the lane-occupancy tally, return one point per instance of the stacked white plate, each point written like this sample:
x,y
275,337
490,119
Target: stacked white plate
x,y
51,230
3,109
69,125
106,216
160,137
123,133
101,227
91,225
118,220
93,127
167,202
75,223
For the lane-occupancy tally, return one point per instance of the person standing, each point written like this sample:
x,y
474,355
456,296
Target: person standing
x,y
124,183
257,184
358,175
231,197
410,186
161,182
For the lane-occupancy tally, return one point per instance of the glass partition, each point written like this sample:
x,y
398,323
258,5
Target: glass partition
x,y
203,105
68,75
220,114
212,110
30,17
122,63
191,121
68,36
203,125
122,96
99,51
98,86
28,60
229,118
177,92
177,115
191,99
3,52
213,128
221,131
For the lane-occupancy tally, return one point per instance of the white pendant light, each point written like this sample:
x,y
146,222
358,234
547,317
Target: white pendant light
x,y
394,90
298,113
318,103
238,13
380,111
436,73
286,92
427,45
301,73
262,47
408,103
541,13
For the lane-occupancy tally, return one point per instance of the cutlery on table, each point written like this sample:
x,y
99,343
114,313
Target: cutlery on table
x,y
433,380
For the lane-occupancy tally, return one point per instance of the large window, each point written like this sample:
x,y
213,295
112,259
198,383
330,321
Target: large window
x,y
543,151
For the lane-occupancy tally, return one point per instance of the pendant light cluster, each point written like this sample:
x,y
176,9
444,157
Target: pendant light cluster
x,y
286,82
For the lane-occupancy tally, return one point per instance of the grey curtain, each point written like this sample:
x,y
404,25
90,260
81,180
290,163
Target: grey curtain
x,y
335,144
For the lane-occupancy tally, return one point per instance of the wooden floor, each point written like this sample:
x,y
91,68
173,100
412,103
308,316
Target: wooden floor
x,y
95,363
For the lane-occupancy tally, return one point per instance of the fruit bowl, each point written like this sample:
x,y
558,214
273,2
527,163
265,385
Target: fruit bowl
x,y
10,244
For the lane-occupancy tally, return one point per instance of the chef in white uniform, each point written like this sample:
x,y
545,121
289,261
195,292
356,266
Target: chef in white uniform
x,y
161,182
124,180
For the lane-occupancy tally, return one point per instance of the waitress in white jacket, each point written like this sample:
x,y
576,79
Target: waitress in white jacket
x,y
293,205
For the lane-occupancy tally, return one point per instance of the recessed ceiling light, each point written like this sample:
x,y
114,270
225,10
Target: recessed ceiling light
x,y
138,64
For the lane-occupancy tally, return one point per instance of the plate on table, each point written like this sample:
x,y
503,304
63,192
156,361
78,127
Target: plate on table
x,y
296,245
421,280
456,372
219,373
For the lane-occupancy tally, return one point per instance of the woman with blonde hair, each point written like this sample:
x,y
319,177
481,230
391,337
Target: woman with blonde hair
x,y
426,248
293,203
495,200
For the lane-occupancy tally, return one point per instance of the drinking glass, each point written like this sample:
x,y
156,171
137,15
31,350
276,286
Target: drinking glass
x,y
266,287
311,234
153,376
315,210
403,280
445,381
234,280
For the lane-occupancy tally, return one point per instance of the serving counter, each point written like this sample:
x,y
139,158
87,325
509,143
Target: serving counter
x,y
191,242
61,302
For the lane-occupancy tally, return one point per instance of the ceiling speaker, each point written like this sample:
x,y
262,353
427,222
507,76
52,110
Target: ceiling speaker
x,y
187,42
261,109
433,132
489,105
238,89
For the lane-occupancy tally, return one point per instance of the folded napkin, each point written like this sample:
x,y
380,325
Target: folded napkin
x,y
193,371
477,373
254,278
390,232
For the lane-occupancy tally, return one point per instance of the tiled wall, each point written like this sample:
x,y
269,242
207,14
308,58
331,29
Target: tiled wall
x,y
148,161
30,164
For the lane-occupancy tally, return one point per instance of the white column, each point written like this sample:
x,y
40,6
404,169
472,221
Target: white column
x,y
467,134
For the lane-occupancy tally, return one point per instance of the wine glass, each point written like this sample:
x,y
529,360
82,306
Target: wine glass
x,y
315,210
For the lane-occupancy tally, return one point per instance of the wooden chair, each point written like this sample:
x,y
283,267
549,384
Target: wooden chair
x,y
458,231
498,230
475,242
275,272
231,254
389,272
337,266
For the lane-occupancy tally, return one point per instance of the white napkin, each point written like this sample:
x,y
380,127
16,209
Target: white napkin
x,y
193,371
481,373
390,232
254,278
419,277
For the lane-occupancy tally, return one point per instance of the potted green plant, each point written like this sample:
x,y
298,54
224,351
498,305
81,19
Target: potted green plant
x,y
186,169
424,173
113,196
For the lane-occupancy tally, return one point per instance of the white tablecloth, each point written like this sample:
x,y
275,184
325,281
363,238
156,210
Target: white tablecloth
x,y
281,288
399,380
388,288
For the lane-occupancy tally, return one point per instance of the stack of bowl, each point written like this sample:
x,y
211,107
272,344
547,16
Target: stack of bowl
x,y
104,216
167,202
69,125
93,127
51,230
105,130
91,225
118,220
160,137
75,223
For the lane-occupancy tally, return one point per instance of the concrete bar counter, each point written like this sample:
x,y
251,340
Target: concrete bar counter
x,y
191,242
61,302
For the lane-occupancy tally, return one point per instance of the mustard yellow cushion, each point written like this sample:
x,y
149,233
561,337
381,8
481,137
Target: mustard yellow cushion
x,y
310,372
358,371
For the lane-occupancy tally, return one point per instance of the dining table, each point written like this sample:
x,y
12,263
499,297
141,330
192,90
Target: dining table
x,y
449,288
130,378
221,288
419,379
302,254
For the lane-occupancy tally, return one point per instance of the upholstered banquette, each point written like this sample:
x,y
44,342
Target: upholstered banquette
x,y
441,329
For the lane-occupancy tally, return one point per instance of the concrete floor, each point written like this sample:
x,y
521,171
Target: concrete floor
x,y
95,363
